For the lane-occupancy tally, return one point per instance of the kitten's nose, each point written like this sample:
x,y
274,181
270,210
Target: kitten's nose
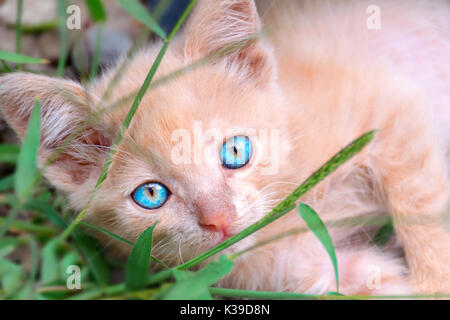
x,y
215,222
215,213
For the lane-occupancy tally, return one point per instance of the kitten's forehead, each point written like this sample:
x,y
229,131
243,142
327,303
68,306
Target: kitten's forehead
x,y
208,98
208,92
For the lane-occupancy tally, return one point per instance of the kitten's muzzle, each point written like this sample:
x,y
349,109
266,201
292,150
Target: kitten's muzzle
x,y
215,214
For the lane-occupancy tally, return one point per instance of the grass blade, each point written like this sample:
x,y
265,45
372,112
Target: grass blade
x,y
112,235
316,225
378,220
50,265
47,210
91,250
34,267
98,14
117,237
140,13
8,245
9,153
25,226
194,286
26,163
40,27
5,66
62,6
96,58
19,28
20,58
97,11
384,234
248,294
139,261
11,277
87,295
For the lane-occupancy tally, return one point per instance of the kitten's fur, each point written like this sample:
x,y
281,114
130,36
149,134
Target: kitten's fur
x,y
322,79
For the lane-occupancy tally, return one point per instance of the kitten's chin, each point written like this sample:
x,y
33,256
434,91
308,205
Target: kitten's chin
x,y
218,239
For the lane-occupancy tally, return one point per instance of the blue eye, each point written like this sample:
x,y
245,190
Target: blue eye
x,y
151,195
236,152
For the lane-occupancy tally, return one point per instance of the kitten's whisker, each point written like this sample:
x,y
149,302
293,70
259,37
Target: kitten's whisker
x,y
277,183
303,133
179,249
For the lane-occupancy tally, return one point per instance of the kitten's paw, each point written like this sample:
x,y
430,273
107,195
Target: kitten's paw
x,y
371,273
430,271
431,287
432,282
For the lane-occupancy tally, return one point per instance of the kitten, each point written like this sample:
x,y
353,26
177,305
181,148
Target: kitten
x,y
318,80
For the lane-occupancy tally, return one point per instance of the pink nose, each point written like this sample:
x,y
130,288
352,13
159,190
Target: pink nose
x,y
215,210
214,221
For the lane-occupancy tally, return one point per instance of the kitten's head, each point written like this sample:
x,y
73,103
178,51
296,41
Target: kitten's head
x,y
203,152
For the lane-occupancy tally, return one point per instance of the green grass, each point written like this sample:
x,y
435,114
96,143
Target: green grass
x,y
54,239
19,28
62,5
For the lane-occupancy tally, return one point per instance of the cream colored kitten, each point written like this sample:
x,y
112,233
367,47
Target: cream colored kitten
x,y
320,79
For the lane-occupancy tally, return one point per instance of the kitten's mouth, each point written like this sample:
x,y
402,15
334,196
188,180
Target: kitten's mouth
x,y
218,236
225,237
222,236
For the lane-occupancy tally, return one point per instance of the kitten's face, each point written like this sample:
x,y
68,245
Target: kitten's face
x,y
171,166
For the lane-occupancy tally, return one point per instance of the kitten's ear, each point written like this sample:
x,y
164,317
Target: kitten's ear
x,y
216,25
63,110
